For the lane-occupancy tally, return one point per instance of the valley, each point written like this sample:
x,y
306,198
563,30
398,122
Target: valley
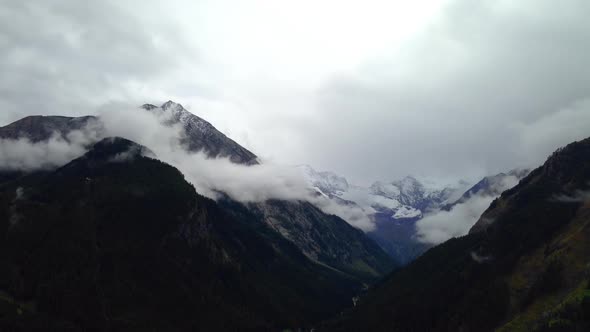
x,y
116,238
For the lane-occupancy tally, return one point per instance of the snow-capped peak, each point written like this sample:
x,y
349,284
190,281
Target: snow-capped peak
x,y
178,114
328,183
200,135
406,198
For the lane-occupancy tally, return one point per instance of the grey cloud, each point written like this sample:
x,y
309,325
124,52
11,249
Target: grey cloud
x,y
443,225
246,184
70,56
22,154
579,196
471,92
440,226
488,86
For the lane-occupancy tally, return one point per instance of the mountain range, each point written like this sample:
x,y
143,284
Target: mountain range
x,y
116,239
199,135
522,267
396,206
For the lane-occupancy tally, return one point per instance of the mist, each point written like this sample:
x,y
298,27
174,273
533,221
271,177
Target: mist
x,y
442,225
211,177
579,196
24,155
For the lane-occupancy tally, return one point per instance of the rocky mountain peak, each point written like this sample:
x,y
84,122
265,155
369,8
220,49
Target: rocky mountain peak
x,y
201,135
327,182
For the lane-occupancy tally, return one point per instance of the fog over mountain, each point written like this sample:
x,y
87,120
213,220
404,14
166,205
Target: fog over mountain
x,y
280,165
456,89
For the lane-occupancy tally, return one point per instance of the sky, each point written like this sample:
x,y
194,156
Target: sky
x,y
370,89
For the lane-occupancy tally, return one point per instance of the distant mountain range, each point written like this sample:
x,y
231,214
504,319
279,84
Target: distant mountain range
x,y
396,206
407,198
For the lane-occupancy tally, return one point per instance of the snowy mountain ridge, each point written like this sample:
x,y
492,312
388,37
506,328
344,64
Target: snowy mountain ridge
x,y
406,198
200,135
328,183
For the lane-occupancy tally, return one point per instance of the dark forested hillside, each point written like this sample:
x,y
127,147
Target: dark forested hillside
x,y
115,240
525,266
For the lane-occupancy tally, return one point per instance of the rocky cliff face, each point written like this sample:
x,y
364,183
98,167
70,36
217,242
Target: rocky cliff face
x,y
326,239
200,135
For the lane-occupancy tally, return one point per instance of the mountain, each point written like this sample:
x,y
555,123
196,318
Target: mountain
x,y
326,239
407,198
352,252
414,197
116,240
201,135
524,266
394,206
491,186
40,128
399,206
278,254
328,183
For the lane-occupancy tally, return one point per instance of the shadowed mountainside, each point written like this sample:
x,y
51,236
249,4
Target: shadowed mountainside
x,y
107,242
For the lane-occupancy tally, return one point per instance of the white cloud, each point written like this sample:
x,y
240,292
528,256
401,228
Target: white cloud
x,y
442,225
371,89
246,184
22,154
579,196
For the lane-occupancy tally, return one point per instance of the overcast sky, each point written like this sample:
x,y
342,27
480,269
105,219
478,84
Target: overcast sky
x,y
370,89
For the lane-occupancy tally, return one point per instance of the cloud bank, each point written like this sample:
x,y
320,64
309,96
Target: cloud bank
x,y
440,226
24,155
436,88
209,176
256,183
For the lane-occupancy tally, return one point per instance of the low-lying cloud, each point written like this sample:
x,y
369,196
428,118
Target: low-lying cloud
x,y
440,226
22,154
209,176
443,225
579,196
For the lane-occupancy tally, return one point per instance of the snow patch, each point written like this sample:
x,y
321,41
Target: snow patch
x,y
406,212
